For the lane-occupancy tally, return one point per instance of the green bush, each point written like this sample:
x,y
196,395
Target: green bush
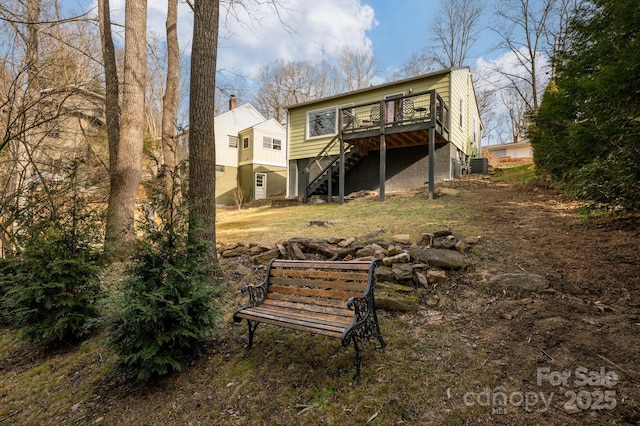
x,y
51,279
165,307
51,288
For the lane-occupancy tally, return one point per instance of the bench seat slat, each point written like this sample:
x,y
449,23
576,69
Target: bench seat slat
x,y
321,274
353,286
296,298
355,265
312,307
315,317
310,292
297,324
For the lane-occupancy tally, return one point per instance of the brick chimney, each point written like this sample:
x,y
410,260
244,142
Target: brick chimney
x,y
232,102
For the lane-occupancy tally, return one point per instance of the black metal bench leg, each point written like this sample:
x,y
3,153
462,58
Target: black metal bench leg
x,y
379,337
252,329
358,346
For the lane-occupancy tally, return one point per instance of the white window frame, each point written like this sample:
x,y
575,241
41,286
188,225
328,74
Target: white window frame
x,y
461,118
245,143
333,132
269,143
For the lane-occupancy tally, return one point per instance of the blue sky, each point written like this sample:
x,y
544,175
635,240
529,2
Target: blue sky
x,y
392,29
403,28
315,29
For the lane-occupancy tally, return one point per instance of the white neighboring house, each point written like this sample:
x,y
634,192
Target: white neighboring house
x,y
514,153
262,159
238,162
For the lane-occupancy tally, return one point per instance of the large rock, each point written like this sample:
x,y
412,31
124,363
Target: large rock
x,y
398,258
389,287
521,281
383,273
402,238
243,270
366,251
422,279
236,251
264,258
397,303
444,243
347,242
402,271
440,258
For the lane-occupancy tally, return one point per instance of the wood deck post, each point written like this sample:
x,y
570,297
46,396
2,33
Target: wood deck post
x,y
341,173
383,151
432,147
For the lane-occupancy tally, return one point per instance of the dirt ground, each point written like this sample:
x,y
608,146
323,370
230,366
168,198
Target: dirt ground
x,y
575,345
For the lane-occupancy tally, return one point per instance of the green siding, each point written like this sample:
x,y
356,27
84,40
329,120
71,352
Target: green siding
x,y
462,86
276,179
225,183
300,147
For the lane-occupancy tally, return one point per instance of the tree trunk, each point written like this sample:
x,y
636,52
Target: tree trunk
x,y
125,176
33,16
112,91
170,98
202,151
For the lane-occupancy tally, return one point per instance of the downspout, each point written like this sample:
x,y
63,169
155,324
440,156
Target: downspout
x,y
286,157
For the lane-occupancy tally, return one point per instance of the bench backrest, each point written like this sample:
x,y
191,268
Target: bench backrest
x,y
318,284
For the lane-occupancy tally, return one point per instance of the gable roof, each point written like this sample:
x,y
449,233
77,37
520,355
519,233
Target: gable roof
x,y
272,122
242,108
379,86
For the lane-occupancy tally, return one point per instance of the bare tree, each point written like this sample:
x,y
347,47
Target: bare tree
x,y
287,83
112,84
523,30
202,151
456,28
419,63
356,67
125,177
170,98
48,112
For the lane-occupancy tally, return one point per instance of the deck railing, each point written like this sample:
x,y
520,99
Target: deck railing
x,y
421,107
426,109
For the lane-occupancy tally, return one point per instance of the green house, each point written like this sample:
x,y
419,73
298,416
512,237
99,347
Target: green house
x,y
394,136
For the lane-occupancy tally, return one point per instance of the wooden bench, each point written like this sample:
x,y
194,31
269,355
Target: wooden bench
x,y
323,297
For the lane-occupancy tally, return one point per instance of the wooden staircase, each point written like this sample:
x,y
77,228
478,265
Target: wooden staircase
x,y
328,169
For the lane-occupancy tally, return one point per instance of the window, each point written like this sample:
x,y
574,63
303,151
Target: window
x,y
219,168
461,112
269,143
500,153
233,141
322,122
245,143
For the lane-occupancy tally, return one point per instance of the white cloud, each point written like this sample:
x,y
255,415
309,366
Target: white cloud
x,y
302,30
491,76
493,73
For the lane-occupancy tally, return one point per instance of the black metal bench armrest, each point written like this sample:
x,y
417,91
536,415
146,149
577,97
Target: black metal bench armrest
x,y
257,294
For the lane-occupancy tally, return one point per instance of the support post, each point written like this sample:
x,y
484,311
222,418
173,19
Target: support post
x,y
304,183
383,151
329,185
432,147
383,165
341,173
